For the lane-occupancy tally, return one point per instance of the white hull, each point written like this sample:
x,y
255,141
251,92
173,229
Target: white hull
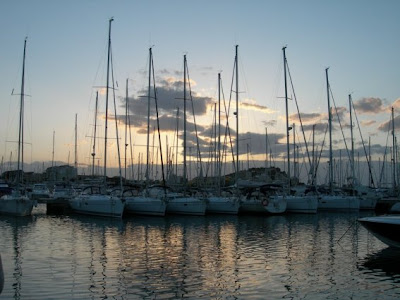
x,y
271,205
16,205
142,205
338,202
98,205
186,206
222,205
302,204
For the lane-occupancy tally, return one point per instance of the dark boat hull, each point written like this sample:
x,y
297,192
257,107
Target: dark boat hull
x,y
385,228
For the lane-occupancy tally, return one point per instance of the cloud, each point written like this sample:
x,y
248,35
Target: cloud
x,y
370,105
368,122
252,105
308,117
386,126
270,123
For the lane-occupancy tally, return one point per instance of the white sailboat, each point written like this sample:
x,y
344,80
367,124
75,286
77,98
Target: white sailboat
x,y
255,200
182,202
18,203
335,201
146,203
295,203
93,200
221,203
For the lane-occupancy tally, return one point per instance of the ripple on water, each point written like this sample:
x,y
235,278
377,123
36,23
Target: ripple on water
x,y
320,256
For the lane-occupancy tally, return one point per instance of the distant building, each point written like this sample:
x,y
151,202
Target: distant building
x,y
61,173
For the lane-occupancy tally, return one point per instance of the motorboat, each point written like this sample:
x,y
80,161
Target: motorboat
x,y
386,228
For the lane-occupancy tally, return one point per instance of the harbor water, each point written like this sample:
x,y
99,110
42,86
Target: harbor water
x,y
291,256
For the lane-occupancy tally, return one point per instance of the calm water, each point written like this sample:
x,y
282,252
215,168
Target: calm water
x,y
322,256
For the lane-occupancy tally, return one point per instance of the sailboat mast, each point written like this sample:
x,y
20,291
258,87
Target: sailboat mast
x,y
287,117
20,161
148,119
330,134
394,153
76,143
219,135
352,143
237,115
126,123
94,135
107,87
184,120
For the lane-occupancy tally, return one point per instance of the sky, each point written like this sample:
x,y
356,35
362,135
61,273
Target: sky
x,y
67,57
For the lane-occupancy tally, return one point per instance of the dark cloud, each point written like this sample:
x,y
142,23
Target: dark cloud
x,y
369,105
169,98
308,117
386,126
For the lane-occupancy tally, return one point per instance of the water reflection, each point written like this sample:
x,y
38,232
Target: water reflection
x,y
212,257
385,261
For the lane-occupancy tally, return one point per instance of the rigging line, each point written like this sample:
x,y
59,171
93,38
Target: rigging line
x,y
130,139
319,157
362,140
384,156
298,112
340,123
194,119
158,123
116,120
227,112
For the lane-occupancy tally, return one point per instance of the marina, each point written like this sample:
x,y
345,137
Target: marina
x,y
299,256
199,150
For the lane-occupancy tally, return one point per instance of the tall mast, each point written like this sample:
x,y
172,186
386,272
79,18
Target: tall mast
x,y
352,144
107,87
219,135
94,135
20,161
148,120
313,156
394,153
76,142
330,134
237,115
184,120
126,123
294,152
287,117
266,149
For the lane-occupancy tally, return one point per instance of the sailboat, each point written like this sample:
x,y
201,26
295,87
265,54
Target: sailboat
x,y
368,197
221,203
17,203
93,200
338,201
182,202
295,203
256,199
144,203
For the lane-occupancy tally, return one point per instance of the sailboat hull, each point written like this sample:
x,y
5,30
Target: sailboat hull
x,y
145,206
302,204
16,205
338,203
265,205
98,205
186,206
222,205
